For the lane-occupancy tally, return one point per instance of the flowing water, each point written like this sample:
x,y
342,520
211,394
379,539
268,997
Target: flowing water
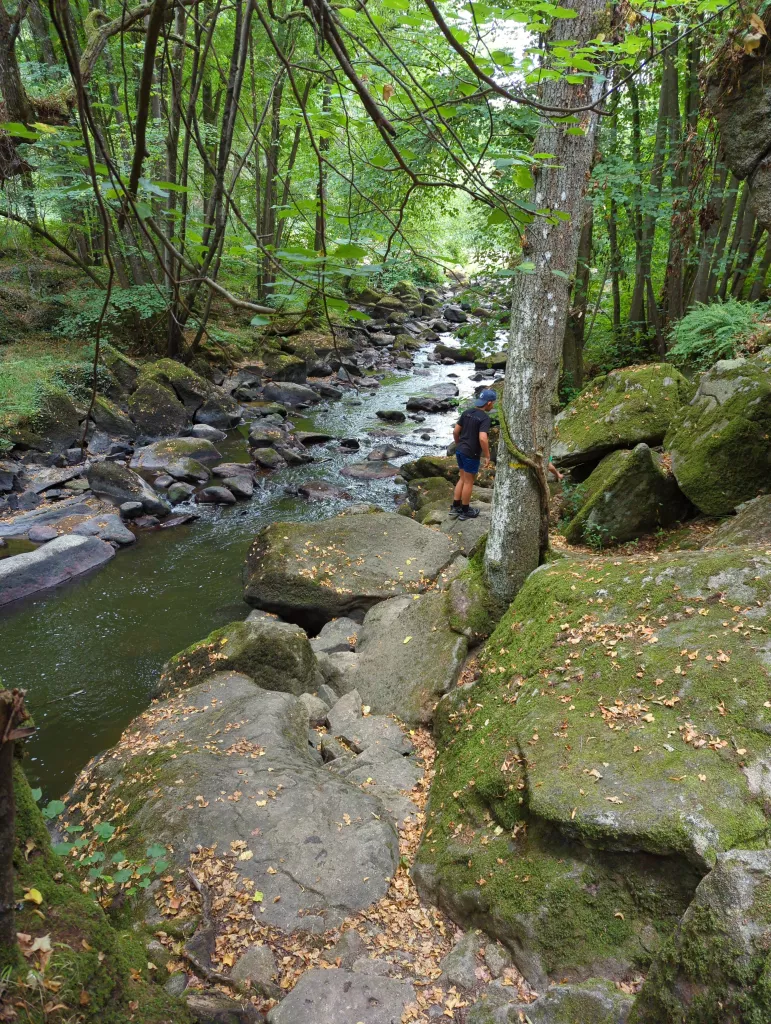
x,y
89,653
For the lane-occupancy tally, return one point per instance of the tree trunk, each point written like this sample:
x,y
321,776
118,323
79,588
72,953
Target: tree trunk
x,y
17,105
710,218
539,310
741,215
759,284
38,23
722,238
575,327
12,714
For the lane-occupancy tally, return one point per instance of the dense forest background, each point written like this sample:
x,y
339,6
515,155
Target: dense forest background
x,y
174,173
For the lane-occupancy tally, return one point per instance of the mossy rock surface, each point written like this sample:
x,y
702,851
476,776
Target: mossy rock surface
x,y
203,401
628,494
276,655
432,465
472,609
53,427
619,410
720,443
593,1002
716,968
124,369
613,746
286,367
89,954
156,410
750,527
111,418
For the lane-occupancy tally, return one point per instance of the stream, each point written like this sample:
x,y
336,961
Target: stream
x,y
89,653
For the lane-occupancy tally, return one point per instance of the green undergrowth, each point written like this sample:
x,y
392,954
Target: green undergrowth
x,y
94,972
545,824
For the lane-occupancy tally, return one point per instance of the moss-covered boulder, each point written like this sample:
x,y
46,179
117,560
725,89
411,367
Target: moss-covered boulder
x,y
162,456
628,494
471,608
204,402
314,572
276,655
716,967
96,973
750,527
286,367
613,746
156,410
432,465
111,418
592,1002
619,410
120,484
407,292
719,443
53,427
124,369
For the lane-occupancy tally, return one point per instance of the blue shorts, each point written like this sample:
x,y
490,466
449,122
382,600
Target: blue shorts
x,y
468,465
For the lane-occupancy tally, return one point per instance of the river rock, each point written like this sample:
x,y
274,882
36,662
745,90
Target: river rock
x,y
293,395
313,572
619,410
337,636
337,996
750,527
386,453
310,437
53,563
122,367
53,427
217,1008
187,471
132,509
322,490
179,492
120,484
408,656
109,528
226,734
719,442
593,1002
338,670
203,430
391,415
217,495
275,654
467,535
268,458
42,534
161,456
261,436
426,404
715,966
268,410
628,494
595,735
156,410
110,417
432,466
454,314
385,773
240,486
370,471
257,969
317,708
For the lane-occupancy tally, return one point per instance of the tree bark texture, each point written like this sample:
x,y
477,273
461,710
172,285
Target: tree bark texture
x,y
539,311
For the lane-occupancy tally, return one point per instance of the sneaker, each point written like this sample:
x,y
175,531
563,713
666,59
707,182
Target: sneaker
x,y
455,510
470,513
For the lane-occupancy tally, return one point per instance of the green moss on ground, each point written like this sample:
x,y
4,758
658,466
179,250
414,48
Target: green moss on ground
x,y
473,611
567,820
95,973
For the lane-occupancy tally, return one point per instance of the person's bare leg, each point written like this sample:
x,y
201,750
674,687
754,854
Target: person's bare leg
x,y
467,482
458,492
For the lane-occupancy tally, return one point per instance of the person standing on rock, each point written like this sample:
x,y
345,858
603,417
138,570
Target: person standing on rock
x,y
472,445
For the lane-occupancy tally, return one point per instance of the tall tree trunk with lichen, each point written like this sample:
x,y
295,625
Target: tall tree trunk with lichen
x,y
539,311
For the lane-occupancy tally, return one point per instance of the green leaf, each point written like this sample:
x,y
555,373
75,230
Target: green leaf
x,y
53,809
155,851
62,848
349,251
75,828
497,217
396,5
95,873
171,186
525,268
501,57
36,794
562,274
160,866
104,829
144,883
575,131
122,876
19,131
144,869
523,178
259,321
380,161
563,12
118,857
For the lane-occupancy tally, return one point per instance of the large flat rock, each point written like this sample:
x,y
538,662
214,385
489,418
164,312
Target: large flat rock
x,y
750,527
313,572
54,563
594,1002
337,996
225,763
408,656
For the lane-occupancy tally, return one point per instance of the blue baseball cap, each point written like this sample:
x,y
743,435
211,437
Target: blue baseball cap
x,y
488,395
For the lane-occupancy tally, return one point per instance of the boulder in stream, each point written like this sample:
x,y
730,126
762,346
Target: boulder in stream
x,y
313,572
276,655
120,484
289,394
316,847
161,455
47,566
156,410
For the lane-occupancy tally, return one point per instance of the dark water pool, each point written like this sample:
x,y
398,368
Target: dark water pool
x,y
89,653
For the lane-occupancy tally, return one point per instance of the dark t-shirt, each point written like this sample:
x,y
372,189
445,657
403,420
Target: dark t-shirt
x,y
473,422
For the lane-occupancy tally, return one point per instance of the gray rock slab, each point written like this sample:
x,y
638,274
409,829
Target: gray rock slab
x,y
54,563
597,1001
346,721
317,708
338,996
45,516
408,656
107,527
120,484
330,847
468,535
335,637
